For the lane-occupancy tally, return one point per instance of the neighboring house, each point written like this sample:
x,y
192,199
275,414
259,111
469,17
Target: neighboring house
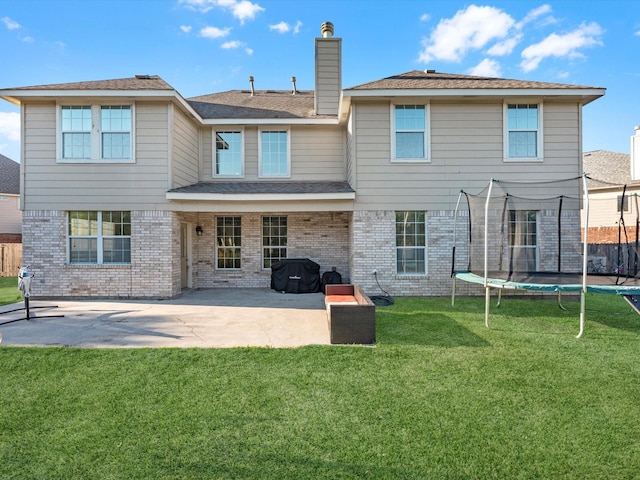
x,y
614,206
10,214
132,190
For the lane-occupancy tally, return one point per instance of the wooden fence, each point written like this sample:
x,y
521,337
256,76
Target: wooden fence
x,y
10,259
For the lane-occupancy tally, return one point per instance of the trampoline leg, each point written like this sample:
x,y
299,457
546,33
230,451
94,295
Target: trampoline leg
x,y
582,309
499,297
453,292
560,301
487,302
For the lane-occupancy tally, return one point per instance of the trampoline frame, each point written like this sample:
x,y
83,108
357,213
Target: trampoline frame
x,y
583,286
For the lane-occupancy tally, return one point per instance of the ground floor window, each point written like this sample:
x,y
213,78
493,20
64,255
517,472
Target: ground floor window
x,y
229,242
99,237
411,243
274,240
523,240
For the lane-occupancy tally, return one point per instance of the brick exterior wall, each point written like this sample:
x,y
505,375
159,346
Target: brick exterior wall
x,y
320,236
154,271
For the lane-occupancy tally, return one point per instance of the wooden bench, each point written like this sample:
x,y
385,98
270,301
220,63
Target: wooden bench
x,y
351,315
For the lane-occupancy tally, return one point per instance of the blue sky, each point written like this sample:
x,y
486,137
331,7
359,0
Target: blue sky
x,y
205,46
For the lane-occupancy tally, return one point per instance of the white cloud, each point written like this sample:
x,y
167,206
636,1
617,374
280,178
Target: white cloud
x,y
505,47
185,28
232,44
10,126
567,45
637,33
425,17
296,29
486,68
241,9
469,29
10,24
563,75
249,51
28,39
282,27
533,14
214,32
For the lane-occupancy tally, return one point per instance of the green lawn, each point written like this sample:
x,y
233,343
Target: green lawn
x,y
440,396
9,292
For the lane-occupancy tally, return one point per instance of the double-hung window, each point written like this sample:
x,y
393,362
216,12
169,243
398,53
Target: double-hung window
x,y
523,240
274,240
95,133
274,153
411,243
229,154
229,239
99,237
410,133
523,132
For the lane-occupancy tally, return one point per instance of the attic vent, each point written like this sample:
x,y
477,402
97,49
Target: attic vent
x,y
429,71
143,77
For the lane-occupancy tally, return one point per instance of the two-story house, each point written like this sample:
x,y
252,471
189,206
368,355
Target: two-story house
x,y
131,190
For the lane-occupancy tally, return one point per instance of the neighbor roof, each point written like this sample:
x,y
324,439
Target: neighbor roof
x,y
419,79
610,167
9,176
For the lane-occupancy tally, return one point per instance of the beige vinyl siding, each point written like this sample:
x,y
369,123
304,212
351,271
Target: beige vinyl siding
x,y
328,80
317,153
10,214
73,186
467,151
185,149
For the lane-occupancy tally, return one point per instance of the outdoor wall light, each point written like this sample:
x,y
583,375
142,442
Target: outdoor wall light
x,y
199,230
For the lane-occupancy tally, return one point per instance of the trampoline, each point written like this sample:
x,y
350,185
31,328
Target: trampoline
x,y
535,236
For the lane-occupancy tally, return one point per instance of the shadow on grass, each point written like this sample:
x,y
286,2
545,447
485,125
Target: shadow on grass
x,y
420,328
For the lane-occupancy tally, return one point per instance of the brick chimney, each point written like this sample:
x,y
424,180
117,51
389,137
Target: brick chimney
x,y
635,155
328,72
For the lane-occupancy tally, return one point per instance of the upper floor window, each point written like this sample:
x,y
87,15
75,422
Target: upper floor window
x,y
94,133
411,243
523,131
229,161
99,237
274,153
410,136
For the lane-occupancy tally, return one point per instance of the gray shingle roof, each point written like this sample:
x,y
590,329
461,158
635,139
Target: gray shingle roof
x,y
139,82
9,176
610,167
419,79
265,187
268,104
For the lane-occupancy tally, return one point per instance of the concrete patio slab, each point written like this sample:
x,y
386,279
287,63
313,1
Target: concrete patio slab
x,y
219,318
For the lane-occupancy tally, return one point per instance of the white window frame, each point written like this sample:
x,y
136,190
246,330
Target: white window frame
x,y
520,221
426,131
287,130
214,159
96,133
228,247
100,236
281,247
506,130
425,247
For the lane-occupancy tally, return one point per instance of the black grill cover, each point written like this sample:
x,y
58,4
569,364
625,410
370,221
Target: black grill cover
x,y
295,275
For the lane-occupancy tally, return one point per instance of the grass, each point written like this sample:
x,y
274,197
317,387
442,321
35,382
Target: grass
x,y
439,396
9,292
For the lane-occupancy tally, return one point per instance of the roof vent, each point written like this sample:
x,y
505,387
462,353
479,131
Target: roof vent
x,y
143,77
251,83
326,29
293,84
429,71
